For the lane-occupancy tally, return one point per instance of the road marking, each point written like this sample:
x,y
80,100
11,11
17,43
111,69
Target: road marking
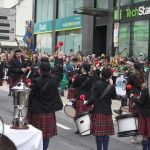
x,y
62,126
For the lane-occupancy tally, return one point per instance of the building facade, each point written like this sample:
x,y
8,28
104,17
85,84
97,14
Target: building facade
x,y
89,26
23,16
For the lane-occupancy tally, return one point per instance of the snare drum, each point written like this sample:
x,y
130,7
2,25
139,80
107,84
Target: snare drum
x,y
69,109
83,123
127,125
24,111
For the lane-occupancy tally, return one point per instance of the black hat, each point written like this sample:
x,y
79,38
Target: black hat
x,y
75,59
86,67
106,73
17,50
45,67
44,59
137,66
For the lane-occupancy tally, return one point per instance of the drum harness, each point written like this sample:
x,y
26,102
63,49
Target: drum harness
x,y
102,95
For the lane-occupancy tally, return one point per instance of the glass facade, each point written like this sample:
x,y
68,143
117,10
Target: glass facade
x,y
66,7
137,1
140,38
122,2
102,4
44,10
72,40
44,42
137,41
124,38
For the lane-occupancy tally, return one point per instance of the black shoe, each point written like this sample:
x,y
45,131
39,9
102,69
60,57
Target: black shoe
x,y
9,94
119,112
77,132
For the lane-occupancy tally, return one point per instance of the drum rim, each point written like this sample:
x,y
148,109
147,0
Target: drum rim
x,y
67,114
127,133
87,134
127,116
81,114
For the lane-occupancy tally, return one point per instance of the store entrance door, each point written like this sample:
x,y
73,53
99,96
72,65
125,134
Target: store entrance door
x,y
99,40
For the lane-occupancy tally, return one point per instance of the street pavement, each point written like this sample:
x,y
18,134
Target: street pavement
x,y
66,139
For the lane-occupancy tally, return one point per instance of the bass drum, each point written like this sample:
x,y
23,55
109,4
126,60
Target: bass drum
x,y
83,123
69,109
120,86
127,125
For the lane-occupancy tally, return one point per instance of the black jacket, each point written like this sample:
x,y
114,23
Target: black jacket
x,y
1,69
48,101
16,68
144,102
86,89
103,106
71,71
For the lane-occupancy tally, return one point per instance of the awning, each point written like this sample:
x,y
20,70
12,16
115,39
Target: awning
x,y
91,11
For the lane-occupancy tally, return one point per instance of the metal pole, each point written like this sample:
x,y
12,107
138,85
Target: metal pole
x,y
118,18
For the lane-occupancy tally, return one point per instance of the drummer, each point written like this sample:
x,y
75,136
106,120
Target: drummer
x,y
84,89
102,123
144,119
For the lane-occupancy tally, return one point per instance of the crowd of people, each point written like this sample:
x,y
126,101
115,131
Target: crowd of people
x,y
79,74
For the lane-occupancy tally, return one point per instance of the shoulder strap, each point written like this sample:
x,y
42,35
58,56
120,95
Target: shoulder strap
x,y
45,86
104,93
83,84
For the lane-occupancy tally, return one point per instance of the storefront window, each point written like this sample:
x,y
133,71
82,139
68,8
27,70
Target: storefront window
x,y
102,4
139,38
137,1
44,10
38,10
44,42
124,38
122,2
66,7
72,40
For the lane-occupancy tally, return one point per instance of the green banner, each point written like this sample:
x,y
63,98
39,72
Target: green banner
x,y
69,23
116,14
43,27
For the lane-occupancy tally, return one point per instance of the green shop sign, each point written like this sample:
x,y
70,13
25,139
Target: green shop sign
x,y
43,27
136,11
69,23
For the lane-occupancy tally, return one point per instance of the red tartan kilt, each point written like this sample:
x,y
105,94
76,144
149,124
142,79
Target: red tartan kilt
x,y
14,83
102,125
130,105
46,122
80,107
1,82
70,94
144,126
8,80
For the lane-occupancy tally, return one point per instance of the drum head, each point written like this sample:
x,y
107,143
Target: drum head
x,y
80,115
70,111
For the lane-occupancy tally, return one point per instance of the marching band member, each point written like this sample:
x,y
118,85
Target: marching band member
x,y
144,119
75,69
136,80
129,71
44,100
102,123
17,68
83,84
1,72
